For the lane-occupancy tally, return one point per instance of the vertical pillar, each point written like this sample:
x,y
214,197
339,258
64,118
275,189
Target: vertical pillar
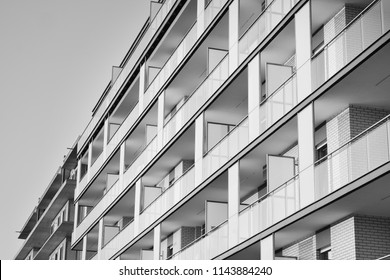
x,y
267,248
89,162
78,178
105,137
122,164
303,50
142,77
254,93
157,242
200,18
233,203
84,252
100,238
78,175
137,206
160,120
199,148
234,12
306,155
76,216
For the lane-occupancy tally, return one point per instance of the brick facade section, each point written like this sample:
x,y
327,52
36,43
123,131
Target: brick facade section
x,y
372,237
361,238
349,123
303,250
334,26
342,238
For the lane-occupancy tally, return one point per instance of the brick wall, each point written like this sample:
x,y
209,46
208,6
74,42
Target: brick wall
x,y
342,238
338,55
349,123
372,237
187,235
339,21
361,237
340,130
303,250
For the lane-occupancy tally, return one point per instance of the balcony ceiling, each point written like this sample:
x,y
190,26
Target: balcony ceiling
x,y
368,85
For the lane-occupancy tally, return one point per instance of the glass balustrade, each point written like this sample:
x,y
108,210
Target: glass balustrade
x,y
178,55
118,241
212,10
226,148
206,247
266,22
279,103
196,100
129,65
169,198
174,60
364,30
324,65
181,51
364,153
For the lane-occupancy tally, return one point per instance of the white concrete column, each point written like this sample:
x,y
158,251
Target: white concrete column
x,y
267,248
137,205
76,215
100,238
78,175
122,164
303,50
105,137
200,18
142,78
89,162
306,155
84,252
254,93
233,203
160,119
157,242
234,12
199,148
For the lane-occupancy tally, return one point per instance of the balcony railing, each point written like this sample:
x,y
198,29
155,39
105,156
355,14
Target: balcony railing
x,y
197,99
150,32
265,23
285,98
169,198
357,36
181,51
117,242
175,59
361,155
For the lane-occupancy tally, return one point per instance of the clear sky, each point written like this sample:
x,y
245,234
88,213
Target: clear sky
x,y
55,61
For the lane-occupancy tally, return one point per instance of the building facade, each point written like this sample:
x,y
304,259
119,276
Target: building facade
x,y
48,230
242,129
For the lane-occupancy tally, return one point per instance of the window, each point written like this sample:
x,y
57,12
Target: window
x,y
321,150
325,253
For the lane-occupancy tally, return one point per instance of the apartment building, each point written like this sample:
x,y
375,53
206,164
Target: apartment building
x,y
242,129
48,230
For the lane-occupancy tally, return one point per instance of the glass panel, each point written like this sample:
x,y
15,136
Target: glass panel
x,y
371,25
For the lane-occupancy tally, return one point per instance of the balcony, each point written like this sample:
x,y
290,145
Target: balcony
x,y
363,154
41,228
265,23
127,68
164,74
117,242
211,11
